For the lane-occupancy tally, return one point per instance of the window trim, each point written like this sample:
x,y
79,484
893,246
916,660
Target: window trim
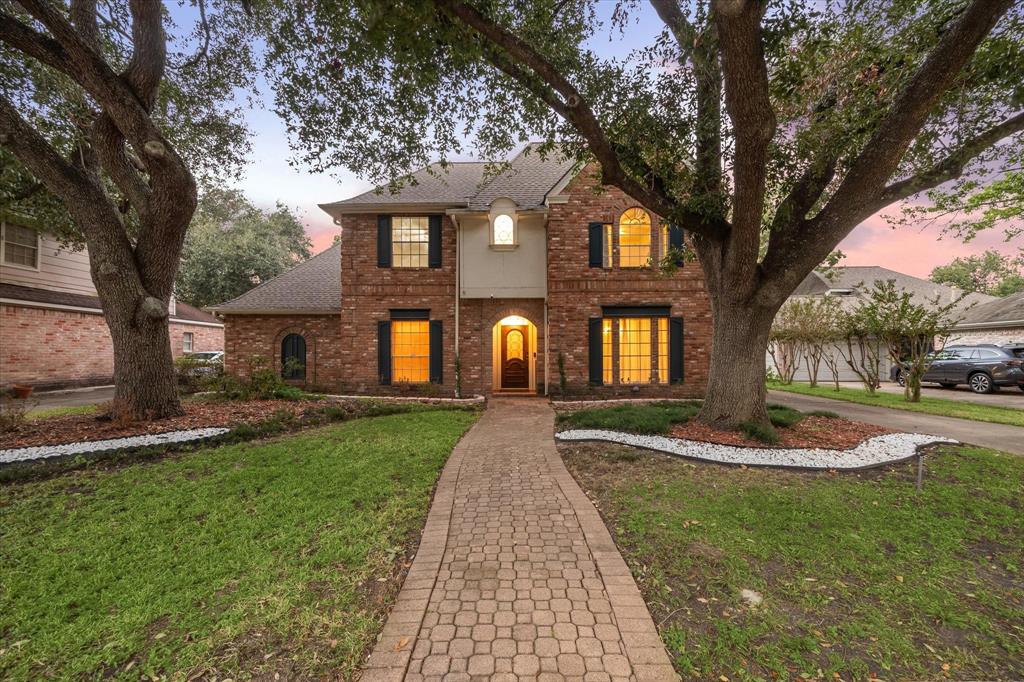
x,y
190,338
395,321
515,232
19,266
660,317
650,240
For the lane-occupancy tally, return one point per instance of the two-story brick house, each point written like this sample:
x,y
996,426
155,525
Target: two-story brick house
x,y
529,276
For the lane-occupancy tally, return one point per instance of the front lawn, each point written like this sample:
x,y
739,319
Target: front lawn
x,y
274,557
928,405
860,575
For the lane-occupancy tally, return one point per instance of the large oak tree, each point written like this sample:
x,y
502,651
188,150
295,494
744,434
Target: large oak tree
x,y
740,120
109,112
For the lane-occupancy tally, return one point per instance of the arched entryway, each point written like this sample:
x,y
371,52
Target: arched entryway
x,y
514,352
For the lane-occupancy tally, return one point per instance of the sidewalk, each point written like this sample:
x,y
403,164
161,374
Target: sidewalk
x,y
516,576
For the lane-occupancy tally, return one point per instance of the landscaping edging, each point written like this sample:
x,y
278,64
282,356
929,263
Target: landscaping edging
x,y
36,452
873,452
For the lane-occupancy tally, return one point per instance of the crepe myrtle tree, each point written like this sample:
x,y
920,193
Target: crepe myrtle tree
x,y
110,115
737,119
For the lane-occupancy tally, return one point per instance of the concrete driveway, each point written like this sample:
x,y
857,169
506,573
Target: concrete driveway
x,y
1004,397
996,436
71,398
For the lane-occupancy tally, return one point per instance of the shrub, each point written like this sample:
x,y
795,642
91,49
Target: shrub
x,y
760,432
12,412
822,413
783,416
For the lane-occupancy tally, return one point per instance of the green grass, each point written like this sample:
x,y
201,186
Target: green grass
x,y
860,574
256,558
645,418
51,412
928,405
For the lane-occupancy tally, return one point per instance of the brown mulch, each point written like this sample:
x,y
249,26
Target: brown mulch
x,y
198,414
810,432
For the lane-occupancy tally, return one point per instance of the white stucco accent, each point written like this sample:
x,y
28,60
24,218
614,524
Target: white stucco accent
x,y
489,271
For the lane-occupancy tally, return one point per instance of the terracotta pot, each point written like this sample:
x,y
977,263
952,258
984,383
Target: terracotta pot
x,y
21,391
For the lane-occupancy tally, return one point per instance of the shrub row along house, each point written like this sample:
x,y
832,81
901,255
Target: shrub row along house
x,y
520,281
52,331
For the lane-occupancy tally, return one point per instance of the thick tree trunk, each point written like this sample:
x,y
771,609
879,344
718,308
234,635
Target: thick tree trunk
x,y
736,390
144,383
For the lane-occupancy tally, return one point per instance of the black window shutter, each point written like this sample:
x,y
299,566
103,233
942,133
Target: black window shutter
x,y
436,352
383,241
384,352
434,248
595,352
675,240
675,360
596,232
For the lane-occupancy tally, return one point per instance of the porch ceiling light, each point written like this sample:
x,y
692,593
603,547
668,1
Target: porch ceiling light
x,y
514,321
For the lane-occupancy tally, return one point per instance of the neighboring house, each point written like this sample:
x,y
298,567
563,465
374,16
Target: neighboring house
x,y
853,284
52,331
1000,321
529,277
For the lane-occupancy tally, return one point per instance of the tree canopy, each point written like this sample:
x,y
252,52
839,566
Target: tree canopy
x,y
233,246
989,273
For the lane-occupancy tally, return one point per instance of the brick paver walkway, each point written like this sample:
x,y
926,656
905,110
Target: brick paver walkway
x,y
516,577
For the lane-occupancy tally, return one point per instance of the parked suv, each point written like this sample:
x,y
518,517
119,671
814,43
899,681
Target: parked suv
x,y
984,367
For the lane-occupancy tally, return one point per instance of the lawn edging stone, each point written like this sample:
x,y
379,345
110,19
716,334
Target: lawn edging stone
x,y
35,452
889,448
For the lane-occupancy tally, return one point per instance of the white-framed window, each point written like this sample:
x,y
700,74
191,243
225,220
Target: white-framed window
x,y
503,230
187,341
410,241
634,238
20,246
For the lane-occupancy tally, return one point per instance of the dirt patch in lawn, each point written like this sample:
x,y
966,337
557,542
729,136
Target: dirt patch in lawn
x,y
199,414
810,432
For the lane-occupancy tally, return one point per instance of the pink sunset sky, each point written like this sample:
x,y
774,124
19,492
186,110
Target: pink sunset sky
x,y
270,178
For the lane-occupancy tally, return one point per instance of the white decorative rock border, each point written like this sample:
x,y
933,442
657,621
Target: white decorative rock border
x,y
86,447
885,449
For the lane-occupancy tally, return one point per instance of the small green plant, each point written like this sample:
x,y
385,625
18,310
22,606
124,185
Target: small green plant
x,y
763,433
652,418
12,412
783,416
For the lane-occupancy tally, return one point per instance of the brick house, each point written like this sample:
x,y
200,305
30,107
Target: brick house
x,y
52,331
528,277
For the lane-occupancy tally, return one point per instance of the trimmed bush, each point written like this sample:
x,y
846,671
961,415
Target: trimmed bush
x,y
652,418
760,432
783,416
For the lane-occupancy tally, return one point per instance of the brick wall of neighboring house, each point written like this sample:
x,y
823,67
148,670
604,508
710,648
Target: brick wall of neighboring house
x,y
50,348
369,293
254,340
576,291
1000,336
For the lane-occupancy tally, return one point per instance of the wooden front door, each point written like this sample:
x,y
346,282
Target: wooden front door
x,y
515,357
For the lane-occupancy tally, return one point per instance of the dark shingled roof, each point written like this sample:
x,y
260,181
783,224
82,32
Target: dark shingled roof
x,y
861,278
1008,310
182,311
527,180
313,286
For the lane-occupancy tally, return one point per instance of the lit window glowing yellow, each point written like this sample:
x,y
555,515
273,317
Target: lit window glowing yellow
x,y
410,351
410,241
662,350
634,238
635,350
504,230
665,242
606,257
514,345
606,351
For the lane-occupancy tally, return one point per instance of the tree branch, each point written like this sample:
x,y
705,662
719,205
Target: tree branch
x,y
34,44
952,166
574,109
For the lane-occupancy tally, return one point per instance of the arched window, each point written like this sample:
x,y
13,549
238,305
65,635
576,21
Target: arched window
x,y
634,238
504,230
293,357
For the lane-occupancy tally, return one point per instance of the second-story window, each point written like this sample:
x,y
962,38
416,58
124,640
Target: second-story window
x,y
410,241
634,238
20,246
504,230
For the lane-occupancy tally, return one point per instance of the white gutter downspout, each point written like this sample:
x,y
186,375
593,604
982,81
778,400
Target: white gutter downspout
x,y
458,282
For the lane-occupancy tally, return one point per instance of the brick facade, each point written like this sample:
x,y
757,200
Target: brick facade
x,y
251,340
346,346
576,291
50,348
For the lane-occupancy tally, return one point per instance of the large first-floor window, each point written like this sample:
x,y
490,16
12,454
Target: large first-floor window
x,y
636,345
410,351
409,348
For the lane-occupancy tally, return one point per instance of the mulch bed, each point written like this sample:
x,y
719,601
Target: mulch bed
x,y
198,414
810,432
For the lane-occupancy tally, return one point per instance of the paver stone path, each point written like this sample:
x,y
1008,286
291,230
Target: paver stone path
x,y
516,577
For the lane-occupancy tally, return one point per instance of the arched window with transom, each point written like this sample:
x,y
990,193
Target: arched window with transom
x,y
634,238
